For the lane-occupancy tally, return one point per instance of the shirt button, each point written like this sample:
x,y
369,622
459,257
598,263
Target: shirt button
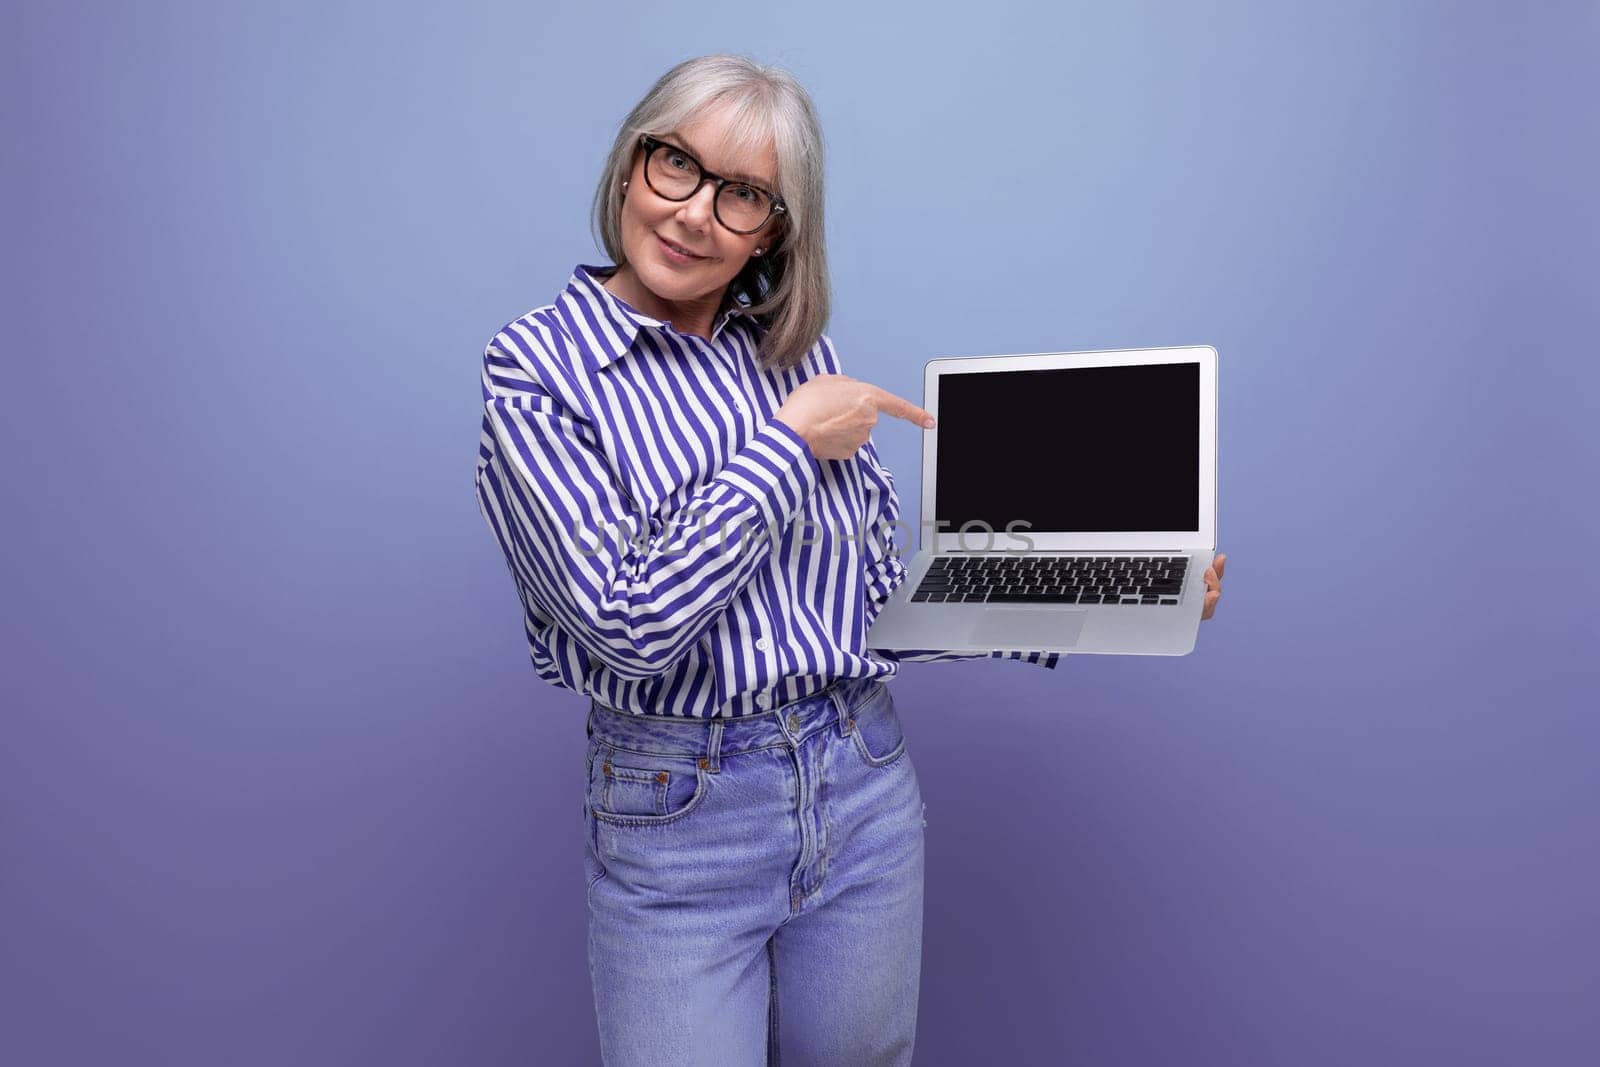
x,y
762,644
761,700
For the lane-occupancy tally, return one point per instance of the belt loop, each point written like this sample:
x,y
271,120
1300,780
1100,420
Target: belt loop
x,y
713,759
588,722
841,705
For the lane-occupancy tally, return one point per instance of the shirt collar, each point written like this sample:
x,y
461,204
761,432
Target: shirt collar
x,y
611,322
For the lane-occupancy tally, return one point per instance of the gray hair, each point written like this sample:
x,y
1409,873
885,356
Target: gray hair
x,y
787,287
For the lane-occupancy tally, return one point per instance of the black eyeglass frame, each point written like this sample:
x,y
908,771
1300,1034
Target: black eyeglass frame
x,y
775,207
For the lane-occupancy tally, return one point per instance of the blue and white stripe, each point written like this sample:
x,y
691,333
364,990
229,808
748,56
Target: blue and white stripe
x,y
618,462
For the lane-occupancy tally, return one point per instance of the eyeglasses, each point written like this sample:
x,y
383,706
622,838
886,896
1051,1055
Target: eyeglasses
x,y
674,174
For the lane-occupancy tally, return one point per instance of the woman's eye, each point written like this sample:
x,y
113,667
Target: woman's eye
x,y
747,194
678,160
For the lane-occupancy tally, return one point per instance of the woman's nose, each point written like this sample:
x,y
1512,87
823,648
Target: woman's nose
x,y
698,210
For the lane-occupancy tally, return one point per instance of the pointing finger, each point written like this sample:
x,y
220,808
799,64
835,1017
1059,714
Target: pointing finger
x,y
901,408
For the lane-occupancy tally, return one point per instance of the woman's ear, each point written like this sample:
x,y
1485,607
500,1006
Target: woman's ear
x,y
773,239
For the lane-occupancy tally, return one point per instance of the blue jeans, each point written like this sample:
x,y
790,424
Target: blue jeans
x,y
755,884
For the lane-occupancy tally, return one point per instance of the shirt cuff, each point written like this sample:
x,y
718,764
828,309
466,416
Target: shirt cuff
x,y
777,471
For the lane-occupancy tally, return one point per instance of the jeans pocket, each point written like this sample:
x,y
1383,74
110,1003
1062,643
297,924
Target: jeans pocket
x,y
875,729
644,789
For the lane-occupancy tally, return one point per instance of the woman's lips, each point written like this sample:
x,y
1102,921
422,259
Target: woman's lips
x,y
672,252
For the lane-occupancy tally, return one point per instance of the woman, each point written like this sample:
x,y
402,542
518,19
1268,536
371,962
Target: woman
x,y
684,488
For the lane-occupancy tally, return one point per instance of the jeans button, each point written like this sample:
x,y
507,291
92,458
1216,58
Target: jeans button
x,y
794,722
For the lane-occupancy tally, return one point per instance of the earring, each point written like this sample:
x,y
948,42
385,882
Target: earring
x,y
624,187
760,250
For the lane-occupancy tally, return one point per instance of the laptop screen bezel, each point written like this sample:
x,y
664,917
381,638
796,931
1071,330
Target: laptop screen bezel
x,y
976,540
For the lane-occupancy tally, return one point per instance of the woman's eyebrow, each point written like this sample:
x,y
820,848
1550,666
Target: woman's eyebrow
x,y
683,143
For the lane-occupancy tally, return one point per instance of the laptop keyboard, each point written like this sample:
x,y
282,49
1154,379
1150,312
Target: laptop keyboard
x,y
1014,578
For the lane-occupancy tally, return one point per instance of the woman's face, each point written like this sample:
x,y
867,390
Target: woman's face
x,y
650,221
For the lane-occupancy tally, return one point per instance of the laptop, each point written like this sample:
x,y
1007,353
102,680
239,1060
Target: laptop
x,y
1069,504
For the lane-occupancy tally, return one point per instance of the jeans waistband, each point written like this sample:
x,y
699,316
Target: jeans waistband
x,y
713,738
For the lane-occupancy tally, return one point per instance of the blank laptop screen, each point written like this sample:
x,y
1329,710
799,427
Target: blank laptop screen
x,y
1070,450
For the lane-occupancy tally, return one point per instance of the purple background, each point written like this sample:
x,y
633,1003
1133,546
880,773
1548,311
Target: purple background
x,y
278,784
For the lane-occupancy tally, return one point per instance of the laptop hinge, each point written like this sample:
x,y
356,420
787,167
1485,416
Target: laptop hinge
x,y
1065,552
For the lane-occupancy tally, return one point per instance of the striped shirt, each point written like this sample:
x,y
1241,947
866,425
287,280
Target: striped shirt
x,y
677,550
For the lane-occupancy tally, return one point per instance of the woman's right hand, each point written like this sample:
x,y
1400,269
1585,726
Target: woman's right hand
x,y
835,413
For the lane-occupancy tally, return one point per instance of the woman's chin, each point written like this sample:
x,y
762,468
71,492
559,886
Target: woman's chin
x,y
676,285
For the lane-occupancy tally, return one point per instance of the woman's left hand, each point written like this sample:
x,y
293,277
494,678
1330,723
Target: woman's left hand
x,y
1213,585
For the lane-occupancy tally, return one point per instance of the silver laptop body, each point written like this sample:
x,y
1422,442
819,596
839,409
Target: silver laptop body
x,y
1069,504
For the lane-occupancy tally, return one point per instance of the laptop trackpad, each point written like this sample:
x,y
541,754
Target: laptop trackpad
x,y
1027,625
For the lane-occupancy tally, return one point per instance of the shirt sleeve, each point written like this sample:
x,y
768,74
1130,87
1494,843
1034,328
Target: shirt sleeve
x,y
632,591
885,571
